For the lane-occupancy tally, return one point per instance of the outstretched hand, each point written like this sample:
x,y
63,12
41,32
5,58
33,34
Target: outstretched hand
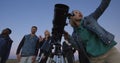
x,y
66,35
40,38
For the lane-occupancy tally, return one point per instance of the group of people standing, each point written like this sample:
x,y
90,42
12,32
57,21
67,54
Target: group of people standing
x,y
30,45
93,43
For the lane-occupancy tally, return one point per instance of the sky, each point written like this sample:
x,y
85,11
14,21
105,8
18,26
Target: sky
x,y
21,15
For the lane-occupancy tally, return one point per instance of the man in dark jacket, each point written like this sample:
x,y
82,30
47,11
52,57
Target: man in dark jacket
x,y
68,50
5,45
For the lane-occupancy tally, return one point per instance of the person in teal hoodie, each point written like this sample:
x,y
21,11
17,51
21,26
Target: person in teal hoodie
x,y
94,43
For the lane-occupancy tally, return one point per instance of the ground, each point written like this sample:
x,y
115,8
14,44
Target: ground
x,y
15,61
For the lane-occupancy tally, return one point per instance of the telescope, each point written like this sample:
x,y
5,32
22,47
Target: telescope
x,y
59,22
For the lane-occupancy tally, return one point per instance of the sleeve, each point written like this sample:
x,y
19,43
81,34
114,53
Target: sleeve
x,y
99,11
20,45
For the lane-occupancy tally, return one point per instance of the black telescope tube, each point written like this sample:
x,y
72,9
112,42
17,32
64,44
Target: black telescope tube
x,y
59,21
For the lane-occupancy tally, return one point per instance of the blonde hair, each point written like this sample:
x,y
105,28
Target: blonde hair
x,y
46,31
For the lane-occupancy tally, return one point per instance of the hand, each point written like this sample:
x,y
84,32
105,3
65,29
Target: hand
x,y
40,38
66,35
18,57
33,59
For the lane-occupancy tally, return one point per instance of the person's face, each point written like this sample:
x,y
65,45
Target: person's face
x,y
5,32
47,34
77,15
33,30
76,18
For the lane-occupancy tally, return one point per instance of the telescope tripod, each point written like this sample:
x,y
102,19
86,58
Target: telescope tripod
x,y
56,56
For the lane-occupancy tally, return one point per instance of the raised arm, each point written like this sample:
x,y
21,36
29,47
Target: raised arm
x,y
102,7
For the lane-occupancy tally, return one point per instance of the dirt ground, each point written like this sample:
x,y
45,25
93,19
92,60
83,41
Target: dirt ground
x,y
15,61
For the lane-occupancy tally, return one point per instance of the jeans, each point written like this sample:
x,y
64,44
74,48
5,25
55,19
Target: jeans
x,y
26,59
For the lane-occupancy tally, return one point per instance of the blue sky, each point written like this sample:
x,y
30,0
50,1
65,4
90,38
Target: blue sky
x,y
20,15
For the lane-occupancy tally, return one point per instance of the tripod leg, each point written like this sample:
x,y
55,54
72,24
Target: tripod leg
x,y
66,61
48,60
39,58
60,59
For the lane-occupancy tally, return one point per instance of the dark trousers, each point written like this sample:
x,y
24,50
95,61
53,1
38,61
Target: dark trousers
x,y
43,60
3,60
83,58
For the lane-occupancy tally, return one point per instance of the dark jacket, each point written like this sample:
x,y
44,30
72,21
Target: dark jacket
x,y
67,49
45,46
5,48
68,52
